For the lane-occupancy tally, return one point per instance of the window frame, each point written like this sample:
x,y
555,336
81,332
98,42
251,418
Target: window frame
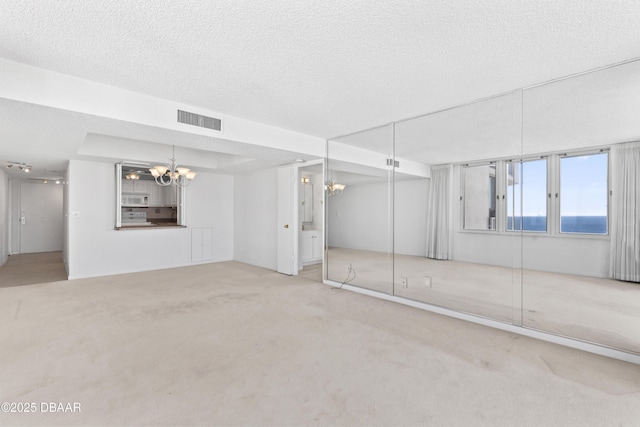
x,y
180,201
520,162
558,194
553,196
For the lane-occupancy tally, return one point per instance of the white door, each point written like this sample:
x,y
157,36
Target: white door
x,y
41,223
286,225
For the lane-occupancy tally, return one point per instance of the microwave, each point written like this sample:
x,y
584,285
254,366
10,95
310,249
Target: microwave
x,y
135,200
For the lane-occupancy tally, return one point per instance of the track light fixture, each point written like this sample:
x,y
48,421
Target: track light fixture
x,y
22,166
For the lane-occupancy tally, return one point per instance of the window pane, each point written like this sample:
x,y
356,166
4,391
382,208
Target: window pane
x,y
527,196
583,194
514,211
480,197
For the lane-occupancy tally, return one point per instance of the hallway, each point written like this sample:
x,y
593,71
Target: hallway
x,y
29,269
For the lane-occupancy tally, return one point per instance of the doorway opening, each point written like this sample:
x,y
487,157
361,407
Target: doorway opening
x,y
310,187
301,209
36,233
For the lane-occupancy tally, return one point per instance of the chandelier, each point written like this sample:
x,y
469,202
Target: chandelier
x,y
171,174
334,189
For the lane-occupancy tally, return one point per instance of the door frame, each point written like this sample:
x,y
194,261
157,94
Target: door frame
x,y
295,217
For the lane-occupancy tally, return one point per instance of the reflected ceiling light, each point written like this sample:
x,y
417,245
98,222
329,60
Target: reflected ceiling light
x,y
171,174
22,166
334,189
132,175
304,179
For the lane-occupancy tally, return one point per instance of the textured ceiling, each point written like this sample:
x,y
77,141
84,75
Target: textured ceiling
x,y
322,68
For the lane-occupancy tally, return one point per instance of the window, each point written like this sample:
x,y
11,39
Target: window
x,y
526,195
551,194
583,194
141,203
480,197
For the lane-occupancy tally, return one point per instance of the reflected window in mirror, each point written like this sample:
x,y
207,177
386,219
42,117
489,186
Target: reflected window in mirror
x,y
584,193
479,197
526,195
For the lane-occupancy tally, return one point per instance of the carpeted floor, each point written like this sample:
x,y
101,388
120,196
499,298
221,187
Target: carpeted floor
x,y
231,344
601,311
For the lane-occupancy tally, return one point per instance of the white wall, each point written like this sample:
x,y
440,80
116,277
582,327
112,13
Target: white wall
x,y
65,220
14,216
209,201
255,228
4,217
359,217
318,204
410,217
95,248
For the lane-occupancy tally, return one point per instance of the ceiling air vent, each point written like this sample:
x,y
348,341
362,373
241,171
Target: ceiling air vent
x,y
199,120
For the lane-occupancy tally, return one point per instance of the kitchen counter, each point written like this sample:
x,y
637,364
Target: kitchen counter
x,y
148,225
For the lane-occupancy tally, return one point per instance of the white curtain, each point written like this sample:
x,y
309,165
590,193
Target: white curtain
x,y
438,213
624,262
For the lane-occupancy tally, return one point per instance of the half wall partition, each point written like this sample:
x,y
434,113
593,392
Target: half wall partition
x,y
517,209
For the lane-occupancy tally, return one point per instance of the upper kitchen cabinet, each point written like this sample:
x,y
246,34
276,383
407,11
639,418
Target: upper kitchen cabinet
x,y
136,186
156,195
162,196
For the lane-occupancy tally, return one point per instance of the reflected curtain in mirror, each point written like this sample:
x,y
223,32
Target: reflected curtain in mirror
x,y
625,212
438,219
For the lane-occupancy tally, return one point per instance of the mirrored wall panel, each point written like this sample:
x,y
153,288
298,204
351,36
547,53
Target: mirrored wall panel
x,y
453,246
581,244
358,194
522,208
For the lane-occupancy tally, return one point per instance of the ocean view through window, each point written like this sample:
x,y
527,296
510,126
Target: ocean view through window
x,y
584,194
551,193
527,195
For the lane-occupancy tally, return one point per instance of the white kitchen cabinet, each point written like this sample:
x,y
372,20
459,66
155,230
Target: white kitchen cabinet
x,y
170,195
311,246
156,195
135,186
127,186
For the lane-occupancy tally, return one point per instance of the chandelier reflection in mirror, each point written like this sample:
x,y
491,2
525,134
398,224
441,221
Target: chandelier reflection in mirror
x,y
334,189
171,174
